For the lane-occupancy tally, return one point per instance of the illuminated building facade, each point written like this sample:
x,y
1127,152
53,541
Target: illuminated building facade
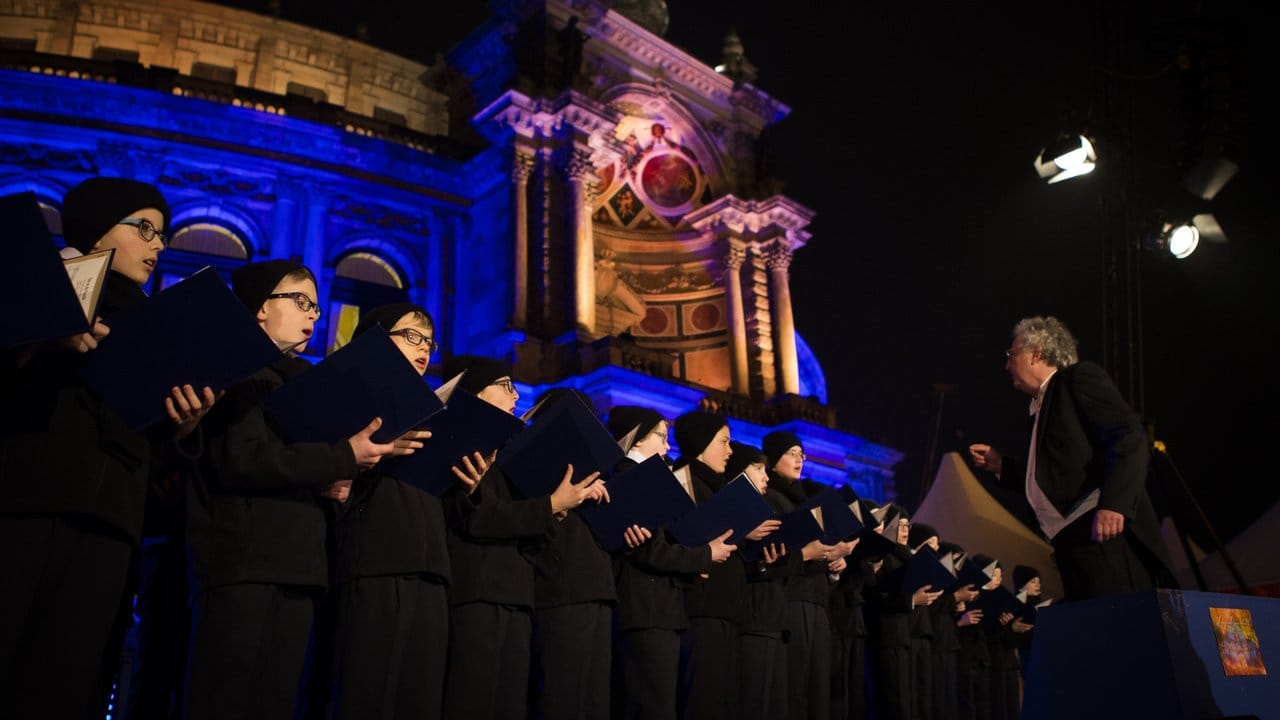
x,y
563,189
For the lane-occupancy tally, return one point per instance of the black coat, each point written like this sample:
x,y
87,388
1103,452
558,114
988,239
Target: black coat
x,y
1090,439
388,527
722,594
252,512
572,567
491,533
64,452
766,600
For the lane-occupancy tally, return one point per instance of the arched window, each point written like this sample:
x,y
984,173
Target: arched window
x,y
197,241
370,268
363,280
210,239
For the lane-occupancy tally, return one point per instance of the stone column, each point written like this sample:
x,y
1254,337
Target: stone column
x,y
778,259
521,170
313,241
738,372
284,218
577,170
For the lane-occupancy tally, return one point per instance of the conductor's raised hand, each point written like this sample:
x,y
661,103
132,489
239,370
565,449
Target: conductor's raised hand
x,y
366,451
720,547
985,457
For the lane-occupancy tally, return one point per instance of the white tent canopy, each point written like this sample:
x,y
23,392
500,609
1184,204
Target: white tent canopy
x,y
1253,550
963,512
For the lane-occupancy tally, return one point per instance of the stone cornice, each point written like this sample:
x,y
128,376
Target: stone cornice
x,y
756,220
653,60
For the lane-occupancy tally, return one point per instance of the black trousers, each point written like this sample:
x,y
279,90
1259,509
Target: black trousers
x,y
808,661
247,651
1091,569
945,693
763,660
392,637
709,652
922,678
650,673
488,670
65,582
891,682
573,654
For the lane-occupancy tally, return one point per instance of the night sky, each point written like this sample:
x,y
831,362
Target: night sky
x,y
912,134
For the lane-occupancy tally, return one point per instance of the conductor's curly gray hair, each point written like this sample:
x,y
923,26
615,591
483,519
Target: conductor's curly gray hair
x,y
1048,337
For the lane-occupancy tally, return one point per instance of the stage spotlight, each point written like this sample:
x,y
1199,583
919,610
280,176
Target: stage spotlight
x,y
1179,239
1067,157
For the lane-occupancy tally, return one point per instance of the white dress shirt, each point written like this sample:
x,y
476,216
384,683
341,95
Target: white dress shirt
x,y
1051,521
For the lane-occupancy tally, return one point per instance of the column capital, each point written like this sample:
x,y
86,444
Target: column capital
x,y
777,256
578,165
522,165
736,256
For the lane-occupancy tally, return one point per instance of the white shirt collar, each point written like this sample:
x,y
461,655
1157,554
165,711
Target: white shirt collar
x,y
1039,398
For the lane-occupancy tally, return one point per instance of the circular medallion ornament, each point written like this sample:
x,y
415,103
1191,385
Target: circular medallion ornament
x,y
705,317
655,322
669,180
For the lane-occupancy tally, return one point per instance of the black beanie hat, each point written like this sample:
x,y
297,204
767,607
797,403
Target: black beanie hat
x,y
252,283
1023,574
388,315
695,431
918,534
625,418
743,455
481,371
946,547
776,444
92,208
981,561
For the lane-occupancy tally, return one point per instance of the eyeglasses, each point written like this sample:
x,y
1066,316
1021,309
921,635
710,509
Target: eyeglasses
x,y
304,303
415,338
1008,354
505,384
796,453
146,230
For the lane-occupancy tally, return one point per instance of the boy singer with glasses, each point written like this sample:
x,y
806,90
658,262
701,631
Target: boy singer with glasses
x,y
393,569
255,524
75,478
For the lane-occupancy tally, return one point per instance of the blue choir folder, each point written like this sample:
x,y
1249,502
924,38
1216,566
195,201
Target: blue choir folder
x,y
738,506
194,332
466,425
40,300
336,398
871,544
799,527
839,523
924,568
997,602
563,434
971,573
647,495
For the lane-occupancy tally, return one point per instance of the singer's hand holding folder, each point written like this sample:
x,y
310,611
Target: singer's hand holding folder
x,y
647,495
466,425
738,506
193,333
566,433
341,394
799,527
